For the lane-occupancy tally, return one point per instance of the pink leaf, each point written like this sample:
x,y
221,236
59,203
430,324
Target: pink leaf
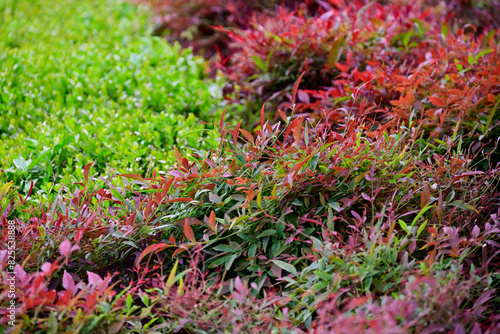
x,y
64,248
475,232
94,279
69,283
238,285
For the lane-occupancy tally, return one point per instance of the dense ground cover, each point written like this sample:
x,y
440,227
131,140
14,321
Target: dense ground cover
x,y
368,203
82,82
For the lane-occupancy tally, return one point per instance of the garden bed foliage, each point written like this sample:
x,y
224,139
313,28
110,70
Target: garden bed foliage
x,y
362,198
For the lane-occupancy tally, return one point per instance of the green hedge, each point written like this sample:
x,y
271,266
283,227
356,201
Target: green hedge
x,y
83,81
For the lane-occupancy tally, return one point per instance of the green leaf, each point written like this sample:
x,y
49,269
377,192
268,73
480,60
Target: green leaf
x,y
334,205
267,233
223,248
420,214
53,325
260,64
117,194
404,226
323,275
463,205
286,266
314,162
421,228
129,301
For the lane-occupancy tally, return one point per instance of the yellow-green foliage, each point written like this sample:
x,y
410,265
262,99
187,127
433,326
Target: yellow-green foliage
x,y
83,81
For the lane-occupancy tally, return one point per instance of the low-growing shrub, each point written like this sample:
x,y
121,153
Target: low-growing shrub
x,y
292,218
192,22
90,85
403,58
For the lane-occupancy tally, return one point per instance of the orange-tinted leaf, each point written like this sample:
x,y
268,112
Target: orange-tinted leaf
x,y
297,130
212,221
247,135
491,98
295,88
133,176
425,197
236,133
437,101
221,124
262,118
178,156
439,207
283,115
181,200
188,232
150,249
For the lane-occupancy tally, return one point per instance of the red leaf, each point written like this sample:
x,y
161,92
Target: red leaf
x,y
247,135
86,170
166,187
65,298
178,156
297,129
188,232
131,219
235,133
212,221
262,118
150,249
437,101
222,118
283,115
133,176
90,302
181,199
458,177
148,209
295,88
425,197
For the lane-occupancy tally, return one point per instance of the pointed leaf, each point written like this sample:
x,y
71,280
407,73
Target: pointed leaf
x,y
437,101
295,88
247,135
286,266
178,156
150,249
171,276
236,133
188,232
86,170
212,221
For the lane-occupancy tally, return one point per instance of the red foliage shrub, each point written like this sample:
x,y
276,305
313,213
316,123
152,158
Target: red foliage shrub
x,y
191,22
297,214
403,59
